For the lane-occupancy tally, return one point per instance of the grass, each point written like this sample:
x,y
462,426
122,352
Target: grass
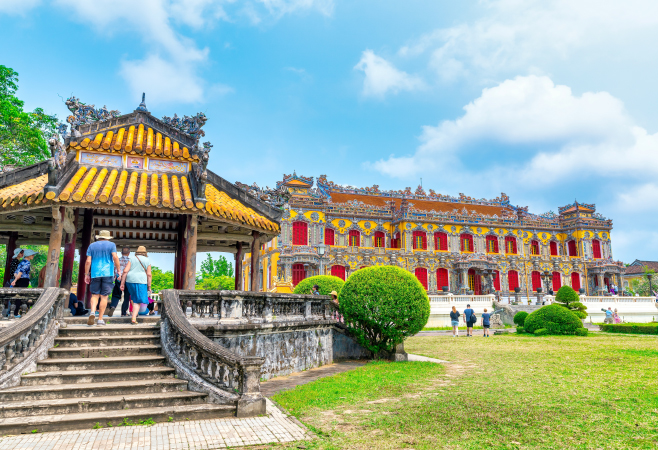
x,y
504,392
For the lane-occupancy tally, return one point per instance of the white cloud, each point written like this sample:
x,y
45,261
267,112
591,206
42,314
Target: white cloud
x,y
513,36
382,77
19,7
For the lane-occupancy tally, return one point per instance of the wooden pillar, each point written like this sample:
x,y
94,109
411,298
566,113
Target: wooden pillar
x,y
54,247
255,260
181,253
87,231
189,281
238,267
11,247
69,255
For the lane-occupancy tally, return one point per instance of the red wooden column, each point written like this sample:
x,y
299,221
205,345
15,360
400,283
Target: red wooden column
x,y
11,247
238,267
87,230
181,253
69,256
255,260
189,277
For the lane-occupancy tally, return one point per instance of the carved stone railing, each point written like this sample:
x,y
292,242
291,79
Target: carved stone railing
x,y
28,297
255,307
207,366
26,341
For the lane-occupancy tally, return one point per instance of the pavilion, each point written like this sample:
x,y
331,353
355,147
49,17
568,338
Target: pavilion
x,y
142,178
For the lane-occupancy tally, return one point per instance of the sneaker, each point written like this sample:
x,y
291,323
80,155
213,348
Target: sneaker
x,y
91,320
110,312
100,322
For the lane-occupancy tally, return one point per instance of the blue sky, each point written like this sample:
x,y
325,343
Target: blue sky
x,y
547,101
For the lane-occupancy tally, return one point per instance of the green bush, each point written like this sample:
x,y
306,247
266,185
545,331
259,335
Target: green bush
x,y
541,332
519,318
630,328
568,298
581,332
327,283
555,318
520,330
382,306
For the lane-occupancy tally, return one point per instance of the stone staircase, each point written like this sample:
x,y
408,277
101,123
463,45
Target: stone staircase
x,y
102,376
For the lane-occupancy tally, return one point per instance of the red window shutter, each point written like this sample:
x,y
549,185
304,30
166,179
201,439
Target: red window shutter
x,y
354,238
496,281
329,236
596,248
379,239
298,273
513,279
536,280
421,274
299,233
534,248
557,280
467,243
442,278
440,241
338,271
492,244
573,248
554,249
424,241
575,281
510,245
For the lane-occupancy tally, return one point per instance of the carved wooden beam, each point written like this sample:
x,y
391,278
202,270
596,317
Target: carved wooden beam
x,y
234,237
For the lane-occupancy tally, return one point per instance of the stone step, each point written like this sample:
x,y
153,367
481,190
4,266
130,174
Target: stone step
x,y
120,362
91,390
99,352
82,320
95,376
96,404
109,341
78,331
80,421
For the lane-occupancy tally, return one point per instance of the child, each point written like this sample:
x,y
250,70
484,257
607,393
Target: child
x,y
485,322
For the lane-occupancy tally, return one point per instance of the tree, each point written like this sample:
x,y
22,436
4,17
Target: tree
x,y
23,135
568,298
219,283
161,280
554,319
215,274
383,305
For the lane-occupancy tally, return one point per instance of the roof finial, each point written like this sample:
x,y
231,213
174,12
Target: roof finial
x,y
142,106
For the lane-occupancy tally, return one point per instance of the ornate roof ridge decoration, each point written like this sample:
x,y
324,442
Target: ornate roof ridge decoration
x,y
577,205
84,114
294,176
327,187
277,197
190,126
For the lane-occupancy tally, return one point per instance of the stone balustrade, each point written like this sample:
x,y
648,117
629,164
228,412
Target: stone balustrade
x,y
10,296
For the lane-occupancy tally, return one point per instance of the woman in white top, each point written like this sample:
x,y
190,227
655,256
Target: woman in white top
x,y
137,278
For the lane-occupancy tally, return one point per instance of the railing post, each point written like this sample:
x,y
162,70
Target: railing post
x,y
267,310
251,402
308,311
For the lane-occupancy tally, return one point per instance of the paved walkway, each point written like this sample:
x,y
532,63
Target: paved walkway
x,y
275,427
269,388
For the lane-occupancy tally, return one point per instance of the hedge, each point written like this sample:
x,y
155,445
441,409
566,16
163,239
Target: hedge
x,y
541,332
555,318
326,283
519,318
383,305
630,328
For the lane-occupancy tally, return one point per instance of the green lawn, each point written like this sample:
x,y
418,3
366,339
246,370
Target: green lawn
x,y
512,391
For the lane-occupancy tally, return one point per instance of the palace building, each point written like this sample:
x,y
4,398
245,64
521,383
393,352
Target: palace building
x,y
456,244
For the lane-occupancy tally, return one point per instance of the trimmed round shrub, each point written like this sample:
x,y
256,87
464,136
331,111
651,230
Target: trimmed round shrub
x,y
382,306
520,330
519,318
555,318
568,298
581,332
541,332
327,283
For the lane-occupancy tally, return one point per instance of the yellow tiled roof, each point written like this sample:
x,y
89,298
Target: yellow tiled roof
x,y
135,140
27,192
221,205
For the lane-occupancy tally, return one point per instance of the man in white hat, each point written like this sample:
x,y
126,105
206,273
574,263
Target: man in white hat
x,y
101,269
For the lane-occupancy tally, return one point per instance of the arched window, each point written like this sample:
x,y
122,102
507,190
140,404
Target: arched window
x,y
421,274
496,280
534,247
572,247
440,241
420,240
299,233
355,238
329,236
492,244
536,280
442,279
557,281
554,251
395,242
575,280
510,245
596,248
466,243
379,240
298,273
513,279
338,271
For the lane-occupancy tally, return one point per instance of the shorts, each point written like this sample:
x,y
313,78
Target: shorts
x,y
470,324
101,286
454,323
486,327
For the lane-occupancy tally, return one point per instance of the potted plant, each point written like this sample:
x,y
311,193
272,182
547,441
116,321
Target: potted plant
x,y
539,290
517,289
445,288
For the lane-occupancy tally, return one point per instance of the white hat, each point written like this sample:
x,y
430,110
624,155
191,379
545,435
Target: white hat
x,y
29,252
104,234
17,251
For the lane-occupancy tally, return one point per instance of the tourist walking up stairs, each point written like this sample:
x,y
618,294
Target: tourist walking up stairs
x,y
101,269
137,278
